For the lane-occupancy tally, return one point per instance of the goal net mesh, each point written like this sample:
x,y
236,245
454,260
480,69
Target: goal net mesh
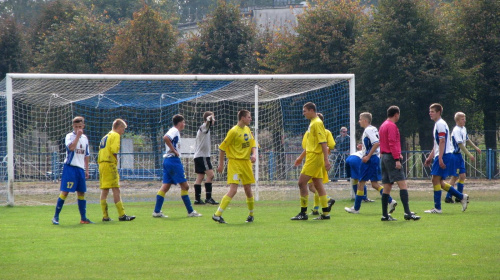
x,y
43,110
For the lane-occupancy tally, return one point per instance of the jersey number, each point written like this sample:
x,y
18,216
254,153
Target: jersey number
x,y
70,185
102,145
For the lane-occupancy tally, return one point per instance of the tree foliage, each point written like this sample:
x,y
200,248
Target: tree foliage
x,y
226,44
78,46
53,13
475,33
400,61
322,42
147,45
123,10
14,53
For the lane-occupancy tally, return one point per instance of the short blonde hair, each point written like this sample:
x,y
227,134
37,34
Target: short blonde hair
x,y
367,116
459,115
119,122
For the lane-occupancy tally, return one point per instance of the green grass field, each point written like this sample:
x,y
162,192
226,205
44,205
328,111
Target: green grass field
x,y
453,245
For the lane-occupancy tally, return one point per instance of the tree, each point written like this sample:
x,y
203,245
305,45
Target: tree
x,y
147,45
400,61
23,11
78,46
225,44
14,53
53,13
475,33
123,10
322,42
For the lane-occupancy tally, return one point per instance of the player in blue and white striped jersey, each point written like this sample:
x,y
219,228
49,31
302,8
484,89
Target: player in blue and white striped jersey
x,y
173,171
75,170
459,139
369,170
442,164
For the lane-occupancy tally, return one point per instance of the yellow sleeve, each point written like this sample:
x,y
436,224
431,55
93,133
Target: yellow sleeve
x,y
319,130
304,140
114,143
329,140
228,140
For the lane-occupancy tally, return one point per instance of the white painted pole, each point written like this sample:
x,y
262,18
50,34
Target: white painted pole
x,y
352,114
10,142
256,135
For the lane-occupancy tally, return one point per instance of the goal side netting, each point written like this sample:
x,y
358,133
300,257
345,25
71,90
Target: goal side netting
x,y
37,109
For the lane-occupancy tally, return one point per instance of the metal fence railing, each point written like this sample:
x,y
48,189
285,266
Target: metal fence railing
x,y
272,167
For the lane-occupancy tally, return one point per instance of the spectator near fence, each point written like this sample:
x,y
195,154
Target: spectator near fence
x,y
342,147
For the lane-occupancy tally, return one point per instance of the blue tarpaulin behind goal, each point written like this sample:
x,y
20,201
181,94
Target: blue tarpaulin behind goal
x,y
151,94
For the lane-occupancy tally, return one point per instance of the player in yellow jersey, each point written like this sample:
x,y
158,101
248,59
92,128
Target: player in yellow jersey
x,y
108,171
331,145
241,150
316,164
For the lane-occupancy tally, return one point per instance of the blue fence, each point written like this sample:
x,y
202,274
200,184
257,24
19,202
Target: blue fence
x,y
272,167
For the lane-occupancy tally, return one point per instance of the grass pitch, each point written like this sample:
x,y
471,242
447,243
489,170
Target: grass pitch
x,y
453,245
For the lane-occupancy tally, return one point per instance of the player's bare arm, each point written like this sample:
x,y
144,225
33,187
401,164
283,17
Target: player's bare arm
x,y
464,149
372,150
79,133
220,168
324,146
428,161
253,156
298,161
86,162
441,153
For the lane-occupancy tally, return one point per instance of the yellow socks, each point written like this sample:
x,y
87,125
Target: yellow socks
x,y
316,200
223,204
104,208
324,204
250,204
119,207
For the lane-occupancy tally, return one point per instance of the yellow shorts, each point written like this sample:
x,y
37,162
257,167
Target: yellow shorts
x,y
314,166
108,175
325,178
240,170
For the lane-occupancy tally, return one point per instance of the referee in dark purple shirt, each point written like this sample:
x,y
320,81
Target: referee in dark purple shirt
x,y
390,148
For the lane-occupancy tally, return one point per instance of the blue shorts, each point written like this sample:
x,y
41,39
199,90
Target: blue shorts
x,y
458,164
443,173
370,171
173,171
73,179
352,167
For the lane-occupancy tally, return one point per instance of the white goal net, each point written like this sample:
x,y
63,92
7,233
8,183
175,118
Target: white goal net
x,y
37,109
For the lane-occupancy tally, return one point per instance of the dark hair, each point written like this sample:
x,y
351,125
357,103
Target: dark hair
x,y
320,116
78,120
393,110
206,114
243,113
310,106
436,107
177,119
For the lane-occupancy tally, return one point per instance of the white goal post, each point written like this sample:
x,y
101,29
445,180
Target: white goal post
x,y
39,108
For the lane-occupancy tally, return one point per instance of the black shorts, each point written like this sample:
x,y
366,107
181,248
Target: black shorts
x,y
389,172
202,164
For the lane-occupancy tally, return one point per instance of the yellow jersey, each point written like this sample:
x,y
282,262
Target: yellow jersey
x,y
109,147
329,140
316,135
238,143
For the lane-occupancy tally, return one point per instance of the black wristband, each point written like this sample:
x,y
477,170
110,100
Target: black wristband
x,y
396,159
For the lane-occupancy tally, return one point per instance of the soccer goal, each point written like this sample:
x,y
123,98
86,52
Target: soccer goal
x,y
37,109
